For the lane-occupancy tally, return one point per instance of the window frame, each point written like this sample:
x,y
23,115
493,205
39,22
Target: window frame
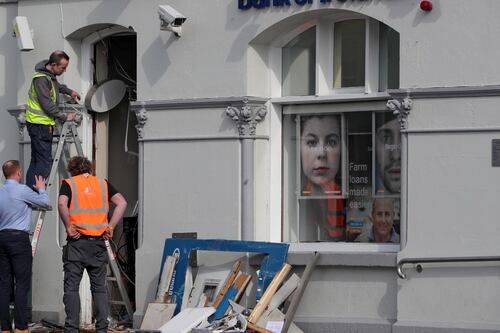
x,y
377,104
367,98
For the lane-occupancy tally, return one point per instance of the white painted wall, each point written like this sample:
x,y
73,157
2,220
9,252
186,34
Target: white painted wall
x,y
451,184
9,54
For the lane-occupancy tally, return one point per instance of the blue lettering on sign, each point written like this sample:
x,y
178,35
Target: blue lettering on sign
x,y
303,2
259,4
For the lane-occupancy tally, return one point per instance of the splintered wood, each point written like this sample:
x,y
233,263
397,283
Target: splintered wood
x,y
229,281
268,294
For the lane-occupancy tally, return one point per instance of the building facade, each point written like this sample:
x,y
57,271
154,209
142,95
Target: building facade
x,y
310,122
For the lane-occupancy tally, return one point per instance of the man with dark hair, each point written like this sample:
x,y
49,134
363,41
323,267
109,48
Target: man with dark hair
x,y
83,207
42,111
16,201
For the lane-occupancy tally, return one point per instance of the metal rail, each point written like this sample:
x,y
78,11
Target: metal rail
x,y
420,261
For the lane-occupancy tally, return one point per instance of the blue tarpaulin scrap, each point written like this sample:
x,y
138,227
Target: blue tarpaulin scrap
x,y
275,256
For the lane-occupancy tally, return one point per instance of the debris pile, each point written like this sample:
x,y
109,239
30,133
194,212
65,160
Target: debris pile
x,y
220,299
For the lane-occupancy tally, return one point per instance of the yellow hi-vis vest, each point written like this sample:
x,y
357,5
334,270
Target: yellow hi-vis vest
x,y
34,111
88,210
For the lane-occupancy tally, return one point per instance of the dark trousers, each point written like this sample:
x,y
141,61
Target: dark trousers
x,y
41,152
92,256
15,262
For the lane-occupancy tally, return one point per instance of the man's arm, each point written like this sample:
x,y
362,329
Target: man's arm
x,y
62,205
40,199
121,205
63,89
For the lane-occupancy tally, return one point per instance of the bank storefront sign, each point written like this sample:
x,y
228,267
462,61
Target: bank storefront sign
x,y
247,4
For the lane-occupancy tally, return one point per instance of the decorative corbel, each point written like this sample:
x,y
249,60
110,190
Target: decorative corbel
x,y
401,109
19,113
247,117
142,117
21,123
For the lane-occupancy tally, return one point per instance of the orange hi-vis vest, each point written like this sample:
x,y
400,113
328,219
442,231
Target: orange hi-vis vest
x,y
88,210
333,210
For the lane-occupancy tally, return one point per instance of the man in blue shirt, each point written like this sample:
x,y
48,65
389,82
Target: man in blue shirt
x,y
16,200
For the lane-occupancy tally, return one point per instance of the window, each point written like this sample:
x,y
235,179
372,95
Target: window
x,y
344,55
341,161
299,61
342,175
349,54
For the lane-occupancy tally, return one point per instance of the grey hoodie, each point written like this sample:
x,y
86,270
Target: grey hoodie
x,y
42,88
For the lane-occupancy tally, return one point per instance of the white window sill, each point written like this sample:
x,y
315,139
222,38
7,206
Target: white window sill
x,y
344,254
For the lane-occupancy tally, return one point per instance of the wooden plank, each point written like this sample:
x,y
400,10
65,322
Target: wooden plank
x,y
268,294
294,304
223,305
241,284
284,292
165,279
229,281
258,328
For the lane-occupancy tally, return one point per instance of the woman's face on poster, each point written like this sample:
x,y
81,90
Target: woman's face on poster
x,y
388,151
320,143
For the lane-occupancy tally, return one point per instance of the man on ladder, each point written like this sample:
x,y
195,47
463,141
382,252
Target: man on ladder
x,y
83,207
42,110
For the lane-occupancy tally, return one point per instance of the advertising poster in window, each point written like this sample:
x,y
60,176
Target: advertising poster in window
x,y
359,167
387,154
320,154
321,176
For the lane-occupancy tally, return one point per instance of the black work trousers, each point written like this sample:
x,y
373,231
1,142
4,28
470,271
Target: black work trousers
x,y
15,262
41,152
92,256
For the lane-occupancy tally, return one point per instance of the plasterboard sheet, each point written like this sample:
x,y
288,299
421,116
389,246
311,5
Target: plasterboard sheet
x,y
186,320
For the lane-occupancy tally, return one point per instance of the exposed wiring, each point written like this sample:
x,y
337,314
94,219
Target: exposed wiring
x,y
122,72
120,268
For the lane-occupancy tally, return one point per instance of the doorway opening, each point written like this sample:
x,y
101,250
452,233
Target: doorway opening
x,y
115,147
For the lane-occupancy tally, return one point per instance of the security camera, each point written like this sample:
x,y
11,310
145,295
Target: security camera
x,y
170,19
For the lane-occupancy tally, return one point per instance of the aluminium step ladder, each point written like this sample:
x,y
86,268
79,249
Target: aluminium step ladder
x,y
69,134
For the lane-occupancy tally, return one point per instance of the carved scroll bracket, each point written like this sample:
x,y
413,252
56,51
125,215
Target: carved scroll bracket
x,y
142,118
247,117
401,109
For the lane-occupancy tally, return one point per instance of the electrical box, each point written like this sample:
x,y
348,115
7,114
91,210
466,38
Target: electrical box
x,y
23,33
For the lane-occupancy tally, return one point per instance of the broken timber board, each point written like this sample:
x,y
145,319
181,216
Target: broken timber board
x,y
165,278
241,284
294,304
258,328
284,292
268,294
229,281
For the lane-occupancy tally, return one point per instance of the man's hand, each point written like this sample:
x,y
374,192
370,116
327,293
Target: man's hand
x,y
39,183
75,95
108,233
72,232
71,116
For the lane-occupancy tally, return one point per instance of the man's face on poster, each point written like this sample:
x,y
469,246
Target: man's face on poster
x,y
388,153
383,216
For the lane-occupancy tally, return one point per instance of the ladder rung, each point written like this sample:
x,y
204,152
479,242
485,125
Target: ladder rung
x,y
48,209
111,278
112,301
